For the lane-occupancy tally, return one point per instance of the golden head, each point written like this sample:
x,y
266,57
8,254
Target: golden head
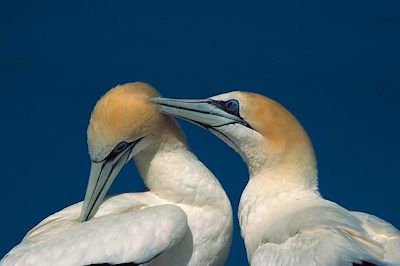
x,y
123,123
270,119
125,113
261,130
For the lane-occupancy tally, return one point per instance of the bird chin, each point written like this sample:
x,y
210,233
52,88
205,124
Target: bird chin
x,y
217,133
226,139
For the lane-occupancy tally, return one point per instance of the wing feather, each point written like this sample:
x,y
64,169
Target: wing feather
x,y
316,247
324,233
132,236
384,233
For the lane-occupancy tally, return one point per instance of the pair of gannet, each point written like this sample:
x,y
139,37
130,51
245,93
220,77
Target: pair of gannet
x,y
184,219
283,218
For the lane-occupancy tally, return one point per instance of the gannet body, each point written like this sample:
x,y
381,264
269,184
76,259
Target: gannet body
x,y
283,218
184,219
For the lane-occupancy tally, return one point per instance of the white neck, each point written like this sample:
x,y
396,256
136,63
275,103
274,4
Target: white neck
x,y
275,178
171,171
275,165
270,183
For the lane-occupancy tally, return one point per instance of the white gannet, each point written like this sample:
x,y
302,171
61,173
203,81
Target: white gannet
x,y
184,219
283,218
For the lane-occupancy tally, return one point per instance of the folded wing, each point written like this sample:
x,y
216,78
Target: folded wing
x,y
327,234
135,235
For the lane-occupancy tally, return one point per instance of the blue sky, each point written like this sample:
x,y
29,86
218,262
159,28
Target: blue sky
x,y
334,65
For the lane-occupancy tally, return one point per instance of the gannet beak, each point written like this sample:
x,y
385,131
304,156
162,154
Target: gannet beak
x,y
207,112
102,175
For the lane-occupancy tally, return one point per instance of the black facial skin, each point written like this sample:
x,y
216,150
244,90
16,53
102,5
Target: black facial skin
x,y
232,107
117,150
121,147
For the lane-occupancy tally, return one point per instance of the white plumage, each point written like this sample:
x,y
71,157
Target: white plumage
x,y
304,229
134,236
184,219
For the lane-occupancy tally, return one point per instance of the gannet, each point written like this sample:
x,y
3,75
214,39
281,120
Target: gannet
x,y
184,219
283,218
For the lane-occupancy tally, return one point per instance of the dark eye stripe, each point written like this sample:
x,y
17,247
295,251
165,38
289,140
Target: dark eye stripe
x,y
117,150
222,105
230,106
121,147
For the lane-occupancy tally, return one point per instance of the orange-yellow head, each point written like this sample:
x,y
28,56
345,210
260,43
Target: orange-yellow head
x,y
268,137
123,123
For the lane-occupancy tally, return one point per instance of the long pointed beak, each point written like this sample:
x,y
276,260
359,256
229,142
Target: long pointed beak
x,y
102,175
204,112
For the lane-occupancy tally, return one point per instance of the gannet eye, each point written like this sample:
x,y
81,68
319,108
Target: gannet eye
x,y
232,106
120,147
117,150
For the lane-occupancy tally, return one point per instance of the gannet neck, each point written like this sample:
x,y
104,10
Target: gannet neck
x,y
171,171
267,136
291,165
275,146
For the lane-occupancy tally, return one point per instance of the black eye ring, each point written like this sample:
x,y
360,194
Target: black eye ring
x,y
232,106
120,147
117,150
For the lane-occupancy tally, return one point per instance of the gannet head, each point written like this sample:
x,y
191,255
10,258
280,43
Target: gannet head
x,y
260,129
122,123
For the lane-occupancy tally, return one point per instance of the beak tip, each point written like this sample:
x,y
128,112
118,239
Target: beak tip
x,y
83,215
82,218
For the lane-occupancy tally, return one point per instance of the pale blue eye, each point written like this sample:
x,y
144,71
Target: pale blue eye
x,y
232,106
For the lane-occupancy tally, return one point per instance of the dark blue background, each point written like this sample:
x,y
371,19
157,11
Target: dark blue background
x,y
335,65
